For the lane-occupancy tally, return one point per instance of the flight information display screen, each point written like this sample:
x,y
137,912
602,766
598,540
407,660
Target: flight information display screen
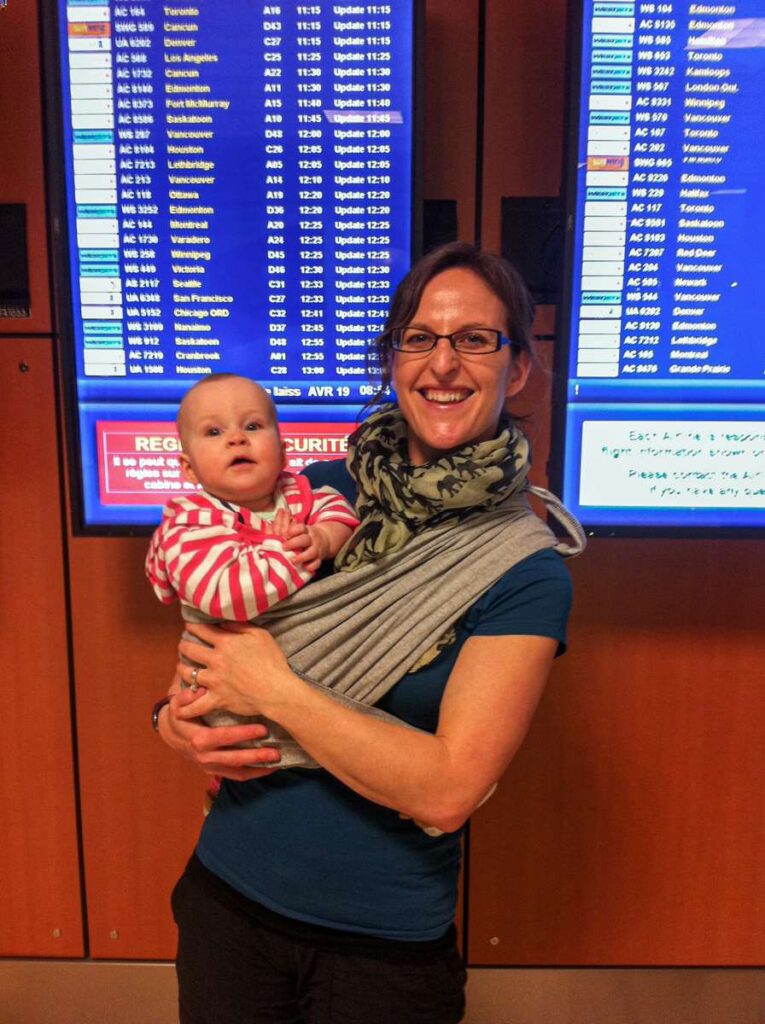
x,y
238,187
663,412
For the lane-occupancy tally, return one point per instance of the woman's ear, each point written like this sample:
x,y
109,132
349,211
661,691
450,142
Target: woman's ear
x,y
520,368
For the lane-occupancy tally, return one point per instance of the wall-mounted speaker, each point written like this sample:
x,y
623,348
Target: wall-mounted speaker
x,y
532,239
14,269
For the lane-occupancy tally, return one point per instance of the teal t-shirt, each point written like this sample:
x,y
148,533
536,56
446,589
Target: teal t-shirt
x,y
306,846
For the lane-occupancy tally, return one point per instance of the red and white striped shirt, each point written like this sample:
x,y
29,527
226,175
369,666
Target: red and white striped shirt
x,y
222,559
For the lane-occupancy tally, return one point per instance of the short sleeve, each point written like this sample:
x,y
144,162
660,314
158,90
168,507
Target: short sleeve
x,y
532,599
332,473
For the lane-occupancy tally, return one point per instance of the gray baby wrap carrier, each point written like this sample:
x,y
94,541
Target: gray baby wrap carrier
x,y
356,634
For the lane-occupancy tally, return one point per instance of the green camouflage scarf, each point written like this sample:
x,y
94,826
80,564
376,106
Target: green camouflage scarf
x,y
398,500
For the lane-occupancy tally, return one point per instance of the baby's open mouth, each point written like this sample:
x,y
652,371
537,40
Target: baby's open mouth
x,y
241,460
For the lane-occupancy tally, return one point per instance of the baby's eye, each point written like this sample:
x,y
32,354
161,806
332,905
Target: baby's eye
x,y
252,426
212,432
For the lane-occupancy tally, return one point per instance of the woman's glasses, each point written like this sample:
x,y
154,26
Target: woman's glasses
x,y
478,341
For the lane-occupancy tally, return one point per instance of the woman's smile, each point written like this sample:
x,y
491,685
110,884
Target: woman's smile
x,y
445,397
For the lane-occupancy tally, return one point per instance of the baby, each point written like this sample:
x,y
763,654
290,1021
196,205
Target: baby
x,y
254,534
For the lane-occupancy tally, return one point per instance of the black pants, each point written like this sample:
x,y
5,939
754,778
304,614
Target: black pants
x,y
234,970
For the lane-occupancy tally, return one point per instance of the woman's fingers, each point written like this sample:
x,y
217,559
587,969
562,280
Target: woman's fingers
x,y
214,750
246,774
242,673
194,688
237,627
214,638
209,635
238,764
227,759
201,654
204,704
225,737
187,697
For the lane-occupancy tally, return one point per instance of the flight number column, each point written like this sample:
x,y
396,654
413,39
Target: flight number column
x,y
91,87
655,132
137,41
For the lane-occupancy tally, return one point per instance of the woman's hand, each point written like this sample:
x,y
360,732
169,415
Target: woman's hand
x,y
243,670
211,749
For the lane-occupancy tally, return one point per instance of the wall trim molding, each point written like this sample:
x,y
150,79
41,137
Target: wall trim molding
x,y
140,992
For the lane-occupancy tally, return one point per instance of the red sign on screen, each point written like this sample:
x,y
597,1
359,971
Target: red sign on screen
x,y
138,462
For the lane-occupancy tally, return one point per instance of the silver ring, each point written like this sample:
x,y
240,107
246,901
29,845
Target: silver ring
x,y
194,683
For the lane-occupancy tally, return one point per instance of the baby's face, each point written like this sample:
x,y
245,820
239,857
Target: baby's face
x,y
231,443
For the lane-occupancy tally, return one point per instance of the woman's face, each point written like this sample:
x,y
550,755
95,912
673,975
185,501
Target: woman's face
x,y
451,399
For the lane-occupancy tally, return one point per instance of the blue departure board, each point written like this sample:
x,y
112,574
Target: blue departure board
x,y
663,411
238,186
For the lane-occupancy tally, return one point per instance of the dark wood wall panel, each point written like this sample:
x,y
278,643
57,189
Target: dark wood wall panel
x,y
523,153
40,909
450,84
523,139
629,828
21,161
449,131
141,805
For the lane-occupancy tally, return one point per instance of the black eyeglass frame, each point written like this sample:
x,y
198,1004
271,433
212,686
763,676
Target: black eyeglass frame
x,y
396,334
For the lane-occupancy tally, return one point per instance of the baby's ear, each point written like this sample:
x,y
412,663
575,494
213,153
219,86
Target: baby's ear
x,y
186,471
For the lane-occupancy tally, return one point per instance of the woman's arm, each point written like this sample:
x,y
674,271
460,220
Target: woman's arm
x,y
439,779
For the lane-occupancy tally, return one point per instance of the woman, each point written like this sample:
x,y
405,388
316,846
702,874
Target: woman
x,y
312,896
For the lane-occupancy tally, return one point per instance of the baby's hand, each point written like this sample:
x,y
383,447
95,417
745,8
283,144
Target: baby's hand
x,y
309,543
282,523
